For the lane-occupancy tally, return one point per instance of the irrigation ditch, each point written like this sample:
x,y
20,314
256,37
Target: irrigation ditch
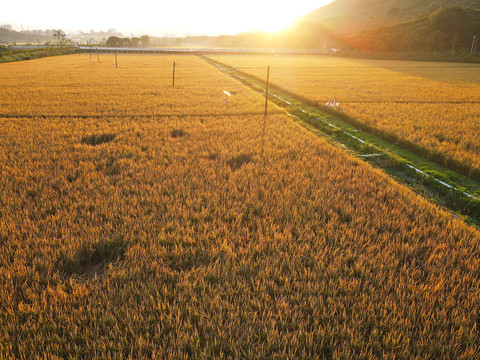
x,y
455,192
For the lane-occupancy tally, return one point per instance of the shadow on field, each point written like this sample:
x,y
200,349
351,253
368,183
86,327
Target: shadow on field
x,y
177,133
447,72
91,260
97,139
238,161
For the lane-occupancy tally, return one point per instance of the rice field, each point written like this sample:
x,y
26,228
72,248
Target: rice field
x,y
430,108
138,220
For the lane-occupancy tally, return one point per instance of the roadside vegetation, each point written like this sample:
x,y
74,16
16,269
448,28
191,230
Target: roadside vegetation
x,y
7,55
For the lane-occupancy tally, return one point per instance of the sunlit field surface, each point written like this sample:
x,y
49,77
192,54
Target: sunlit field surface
x,y
433,105
140,220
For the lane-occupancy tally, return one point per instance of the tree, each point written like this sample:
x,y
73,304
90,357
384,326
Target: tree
x,y
115,41
60,37
145,39
456,23
134,42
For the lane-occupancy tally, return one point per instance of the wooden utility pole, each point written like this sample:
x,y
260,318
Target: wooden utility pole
x,y
98,56
116,64
265,117
266,98
173,79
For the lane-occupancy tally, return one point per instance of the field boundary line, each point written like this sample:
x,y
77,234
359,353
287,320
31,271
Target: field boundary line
x,y
127,116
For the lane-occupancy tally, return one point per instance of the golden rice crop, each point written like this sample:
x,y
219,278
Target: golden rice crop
x,y
77,86
433,105
192,235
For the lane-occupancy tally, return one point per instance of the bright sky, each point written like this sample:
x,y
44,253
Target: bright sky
x,y
179,17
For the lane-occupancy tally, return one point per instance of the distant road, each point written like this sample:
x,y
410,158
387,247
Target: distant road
x,y
201,51
29,47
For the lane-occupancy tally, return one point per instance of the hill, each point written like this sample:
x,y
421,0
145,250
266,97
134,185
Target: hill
x,y
449,28
349,16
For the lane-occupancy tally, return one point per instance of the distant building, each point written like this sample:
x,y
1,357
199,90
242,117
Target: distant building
x,y
6,26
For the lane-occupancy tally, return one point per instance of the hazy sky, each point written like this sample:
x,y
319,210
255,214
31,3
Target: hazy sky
x,y
156,17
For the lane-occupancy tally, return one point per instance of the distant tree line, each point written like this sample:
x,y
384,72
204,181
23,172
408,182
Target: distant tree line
x,y
7,55
115,41
305,35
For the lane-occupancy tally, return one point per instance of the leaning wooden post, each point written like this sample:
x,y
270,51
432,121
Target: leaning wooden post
x,y
90,52
98,56
265,118
173,78
116,64
266,99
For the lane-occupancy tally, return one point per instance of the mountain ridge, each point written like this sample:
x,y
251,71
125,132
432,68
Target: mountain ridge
x,y
350,16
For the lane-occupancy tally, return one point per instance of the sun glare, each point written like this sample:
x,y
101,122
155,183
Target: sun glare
x,y
238,19
276,22
212,17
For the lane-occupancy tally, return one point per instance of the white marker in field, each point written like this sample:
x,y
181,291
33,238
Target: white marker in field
x,y
226,100
332,103
227,96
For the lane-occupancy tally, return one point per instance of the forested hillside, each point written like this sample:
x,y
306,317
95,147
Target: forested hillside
x,y
348,16
449,28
